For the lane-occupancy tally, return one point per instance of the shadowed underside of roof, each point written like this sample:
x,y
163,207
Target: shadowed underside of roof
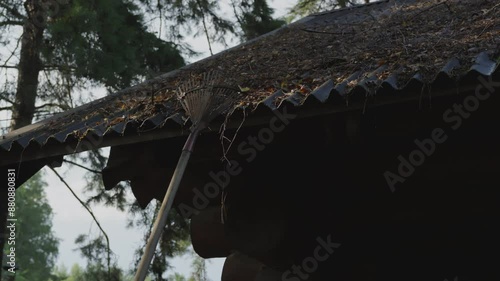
x,y
383,49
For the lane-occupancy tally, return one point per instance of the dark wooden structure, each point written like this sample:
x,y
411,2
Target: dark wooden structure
x,y
324,176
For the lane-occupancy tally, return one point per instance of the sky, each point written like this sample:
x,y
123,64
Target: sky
x,y
71,219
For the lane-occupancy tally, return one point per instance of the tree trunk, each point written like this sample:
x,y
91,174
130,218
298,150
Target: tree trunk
x,y
27,83
29,66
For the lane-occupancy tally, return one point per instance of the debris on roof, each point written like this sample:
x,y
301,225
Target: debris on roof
x,y
370,47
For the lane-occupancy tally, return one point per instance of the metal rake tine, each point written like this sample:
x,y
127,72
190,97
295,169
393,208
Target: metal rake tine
x,y
204,100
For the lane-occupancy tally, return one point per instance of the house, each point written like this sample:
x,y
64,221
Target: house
x,y
364,146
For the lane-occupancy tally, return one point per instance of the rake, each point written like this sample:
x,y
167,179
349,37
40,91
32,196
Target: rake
x,y
203,98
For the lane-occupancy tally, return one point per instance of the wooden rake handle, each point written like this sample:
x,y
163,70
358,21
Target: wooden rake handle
x,y
168,200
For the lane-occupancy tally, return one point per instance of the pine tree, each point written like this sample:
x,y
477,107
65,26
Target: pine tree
x,y
64,46
255,18
36,245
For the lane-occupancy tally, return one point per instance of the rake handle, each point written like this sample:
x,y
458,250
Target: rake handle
x,y
166,205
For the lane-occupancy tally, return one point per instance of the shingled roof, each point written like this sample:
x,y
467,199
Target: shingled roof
x,y
368,54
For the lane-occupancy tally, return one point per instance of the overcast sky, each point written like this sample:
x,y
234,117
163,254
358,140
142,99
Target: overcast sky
x,y
70,219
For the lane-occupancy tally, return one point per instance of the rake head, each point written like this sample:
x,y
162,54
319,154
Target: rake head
x,y
205,97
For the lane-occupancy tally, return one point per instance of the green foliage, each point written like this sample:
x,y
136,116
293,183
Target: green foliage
x,y
60,273
36,244
95,252
77,273
85,43
185,17
107,41
199,266
115,197
178,277
174,240
198,273
307,7
255,18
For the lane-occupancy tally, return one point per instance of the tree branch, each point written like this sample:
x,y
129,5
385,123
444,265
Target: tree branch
x,y
52,104
2,97
8,66
205,27
11,22
12,11
91,214
83,167
5,108
12,53
238,18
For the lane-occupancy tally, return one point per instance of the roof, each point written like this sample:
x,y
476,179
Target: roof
x,y
374,51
